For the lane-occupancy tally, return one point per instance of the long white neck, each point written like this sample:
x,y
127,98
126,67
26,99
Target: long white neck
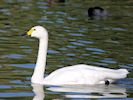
x,y
38,75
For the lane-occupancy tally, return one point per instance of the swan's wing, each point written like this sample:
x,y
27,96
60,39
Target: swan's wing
x,y
101,68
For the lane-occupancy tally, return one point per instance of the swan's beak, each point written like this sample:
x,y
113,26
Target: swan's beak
x,y
28,33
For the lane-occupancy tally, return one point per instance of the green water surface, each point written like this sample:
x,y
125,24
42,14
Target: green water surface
x,y
73,39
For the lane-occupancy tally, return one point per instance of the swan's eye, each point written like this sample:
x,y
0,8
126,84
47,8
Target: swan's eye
x,y
34,29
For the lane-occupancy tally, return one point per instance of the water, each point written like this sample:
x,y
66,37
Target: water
x,y
73,39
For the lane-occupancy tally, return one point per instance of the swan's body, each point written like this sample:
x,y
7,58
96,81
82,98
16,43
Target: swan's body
x,y
83,74
71,75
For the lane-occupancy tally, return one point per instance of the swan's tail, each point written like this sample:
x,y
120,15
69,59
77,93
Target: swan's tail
x,y
123,71
119,74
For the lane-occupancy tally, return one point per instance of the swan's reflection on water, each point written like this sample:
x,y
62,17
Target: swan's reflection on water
x,y
38,91
82,91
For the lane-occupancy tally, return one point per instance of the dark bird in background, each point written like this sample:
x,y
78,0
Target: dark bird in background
x,y
97,13
57,1
61,1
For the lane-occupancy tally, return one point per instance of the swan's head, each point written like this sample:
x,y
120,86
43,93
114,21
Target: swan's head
x,y
37,32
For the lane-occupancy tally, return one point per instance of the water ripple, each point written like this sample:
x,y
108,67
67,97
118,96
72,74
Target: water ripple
x,y
16,94
23,65
76,34
16,56
96,50
77,44
52,52
108,60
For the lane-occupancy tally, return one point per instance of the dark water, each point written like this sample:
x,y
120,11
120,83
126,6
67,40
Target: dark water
x,y
73,39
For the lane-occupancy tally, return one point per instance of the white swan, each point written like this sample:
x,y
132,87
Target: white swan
x,y
70,75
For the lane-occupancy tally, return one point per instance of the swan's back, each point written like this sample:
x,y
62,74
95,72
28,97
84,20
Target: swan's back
x,y
84,74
